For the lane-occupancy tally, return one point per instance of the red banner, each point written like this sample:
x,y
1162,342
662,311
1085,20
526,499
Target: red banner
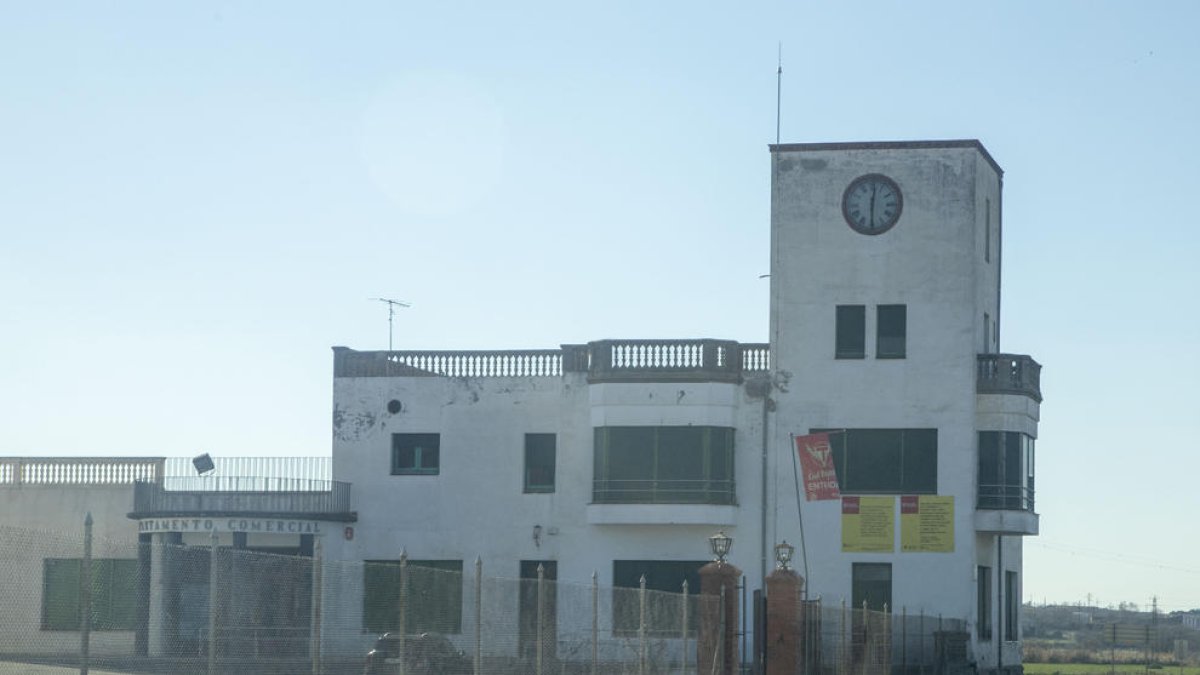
x,y
816,463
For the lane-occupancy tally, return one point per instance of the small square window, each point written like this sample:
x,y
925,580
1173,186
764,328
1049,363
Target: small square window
x,y
891,327
851,332
539,462
415,454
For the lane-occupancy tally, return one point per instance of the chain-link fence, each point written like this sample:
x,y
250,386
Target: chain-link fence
x,y
186,606
841,640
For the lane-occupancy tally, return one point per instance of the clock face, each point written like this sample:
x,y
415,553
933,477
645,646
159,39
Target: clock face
x,y
872,203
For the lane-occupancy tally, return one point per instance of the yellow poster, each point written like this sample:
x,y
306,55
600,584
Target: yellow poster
x,y
868,524
926,524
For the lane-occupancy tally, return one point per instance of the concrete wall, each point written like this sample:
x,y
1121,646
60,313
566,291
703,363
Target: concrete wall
x,y
46,521
938,262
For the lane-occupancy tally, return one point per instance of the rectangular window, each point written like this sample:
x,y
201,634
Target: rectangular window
x,y
983,602
987,232
1012,607
1005,473
663,465
539,462
114,594
432,600
664,586
851,332
528,607
871,583
416,454
885,461
891,326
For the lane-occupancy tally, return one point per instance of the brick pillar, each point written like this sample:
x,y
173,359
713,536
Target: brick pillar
x,y
711,643
785,628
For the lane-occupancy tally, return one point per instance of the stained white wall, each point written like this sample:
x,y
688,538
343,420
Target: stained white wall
x,y
46,521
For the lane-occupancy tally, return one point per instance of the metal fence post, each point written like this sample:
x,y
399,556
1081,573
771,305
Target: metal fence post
x,y
402,619
642,625
683,627
318,579
85,598
595,622
213,602
842,651
721,634
541,582
478,614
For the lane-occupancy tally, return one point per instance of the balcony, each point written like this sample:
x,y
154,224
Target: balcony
x,y
1005,509
721,492
700,360
663,502
243,496
1008,374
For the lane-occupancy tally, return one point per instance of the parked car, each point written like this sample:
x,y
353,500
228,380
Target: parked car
x,y
424,654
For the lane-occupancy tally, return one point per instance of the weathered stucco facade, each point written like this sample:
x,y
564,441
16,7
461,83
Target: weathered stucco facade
x,y
621,457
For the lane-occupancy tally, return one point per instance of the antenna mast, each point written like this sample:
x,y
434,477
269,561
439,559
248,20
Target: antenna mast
x,y
778,92
392,305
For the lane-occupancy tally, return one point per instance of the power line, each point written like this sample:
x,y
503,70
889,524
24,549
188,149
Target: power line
x,y
1112,556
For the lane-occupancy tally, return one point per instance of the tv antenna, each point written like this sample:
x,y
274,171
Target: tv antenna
x,y
392,305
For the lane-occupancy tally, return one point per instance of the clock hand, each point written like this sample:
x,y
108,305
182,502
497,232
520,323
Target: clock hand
x,y
872,213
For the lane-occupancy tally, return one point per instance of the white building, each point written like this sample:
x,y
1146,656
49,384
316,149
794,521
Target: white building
x,y
618,457
622,456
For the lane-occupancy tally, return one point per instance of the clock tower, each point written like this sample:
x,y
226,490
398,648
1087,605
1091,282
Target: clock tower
x,y
885,310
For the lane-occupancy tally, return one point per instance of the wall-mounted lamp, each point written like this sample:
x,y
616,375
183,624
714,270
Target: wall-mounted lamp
x,y
537,536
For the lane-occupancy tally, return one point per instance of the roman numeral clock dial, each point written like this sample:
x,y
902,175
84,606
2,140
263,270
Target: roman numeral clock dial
x,y
872,203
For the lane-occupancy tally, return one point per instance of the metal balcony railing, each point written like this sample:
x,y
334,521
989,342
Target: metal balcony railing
x,y
1009,374
1005,498
234,495
720,492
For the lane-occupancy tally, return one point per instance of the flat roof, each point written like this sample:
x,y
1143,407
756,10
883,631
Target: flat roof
x,y
889,145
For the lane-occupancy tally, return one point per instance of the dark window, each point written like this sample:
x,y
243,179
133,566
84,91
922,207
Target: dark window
x,y
1006,460
415,454
432,601
891,325
885,461
871,583
663,465
1012,606
527,607
987,232
539,462
983,602
114,594
664,586
987,333
851,332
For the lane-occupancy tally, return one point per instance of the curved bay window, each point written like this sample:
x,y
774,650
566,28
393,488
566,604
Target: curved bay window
x,y
1005,471
663,465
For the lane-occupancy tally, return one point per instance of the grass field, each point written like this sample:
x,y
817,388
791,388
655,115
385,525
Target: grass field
x,y
1104,669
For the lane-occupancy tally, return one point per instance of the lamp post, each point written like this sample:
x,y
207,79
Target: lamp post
x,y
720,543
783,555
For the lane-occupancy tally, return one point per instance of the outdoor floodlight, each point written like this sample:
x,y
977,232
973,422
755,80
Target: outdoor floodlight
x,y
203,464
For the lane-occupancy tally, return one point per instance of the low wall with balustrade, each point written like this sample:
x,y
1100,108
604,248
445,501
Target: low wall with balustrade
x,y
701,360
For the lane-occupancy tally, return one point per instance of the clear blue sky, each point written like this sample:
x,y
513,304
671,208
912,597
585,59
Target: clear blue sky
x,y
197,200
